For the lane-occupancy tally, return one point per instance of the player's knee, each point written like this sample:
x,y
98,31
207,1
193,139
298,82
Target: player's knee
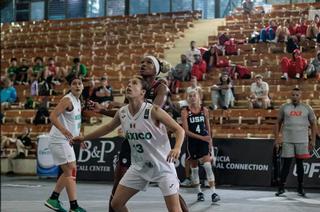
x,y
208,168
116,205
195,175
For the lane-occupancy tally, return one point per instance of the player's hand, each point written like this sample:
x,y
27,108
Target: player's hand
x,y
311,145
278,144
207,139
95,106
173,155
67,134
77,139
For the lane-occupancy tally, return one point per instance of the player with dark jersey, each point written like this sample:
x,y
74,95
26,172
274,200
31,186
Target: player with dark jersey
x,y
195,121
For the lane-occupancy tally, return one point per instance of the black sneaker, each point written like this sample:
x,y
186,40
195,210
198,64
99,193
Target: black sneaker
x,y
301,191
215,197
200,197
280,191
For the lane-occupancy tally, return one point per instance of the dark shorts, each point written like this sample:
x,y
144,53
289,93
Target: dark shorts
x,y
196,149
125,154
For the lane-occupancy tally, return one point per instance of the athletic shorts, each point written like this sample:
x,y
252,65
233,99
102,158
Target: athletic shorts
x,y
125,154
297,150
168,183
62,153
197,149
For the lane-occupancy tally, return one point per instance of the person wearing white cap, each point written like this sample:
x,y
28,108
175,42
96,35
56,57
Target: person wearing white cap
x,y
259,97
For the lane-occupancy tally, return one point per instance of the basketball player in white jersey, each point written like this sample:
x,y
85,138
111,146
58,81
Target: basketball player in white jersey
x,y
151,154
66,123
195,121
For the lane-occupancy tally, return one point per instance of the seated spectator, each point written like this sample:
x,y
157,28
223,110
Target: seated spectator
x,y
248,7
259,97
269,33
221,93
38,68
52,72
13,70
292,44
313,69
22,75
199,67
77,69
8,93
211,57
23,143
88,92
104,92
301,28
34,89
294,67
314,28
182,71
283,32
193,50
5,143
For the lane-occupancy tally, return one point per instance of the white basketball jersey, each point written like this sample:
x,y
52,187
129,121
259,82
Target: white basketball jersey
x,y
71,120
149,143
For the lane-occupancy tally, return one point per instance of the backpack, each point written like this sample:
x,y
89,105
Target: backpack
x,y
41,115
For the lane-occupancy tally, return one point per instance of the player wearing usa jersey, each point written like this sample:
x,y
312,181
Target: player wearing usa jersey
x,y
294,119
151,155
195,121
66,123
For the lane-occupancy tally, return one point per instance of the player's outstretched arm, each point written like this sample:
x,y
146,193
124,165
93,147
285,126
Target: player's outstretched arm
x,y
113,124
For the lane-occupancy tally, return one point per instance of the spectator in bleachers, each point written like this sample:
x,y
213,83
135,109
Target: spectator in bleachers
x,y
221,93
314,28
38,68
34,89
182,71
211,57
52,72
313,69
294,67
13,69
5,143
283,32
193,51
8,93
259,93
199,67
248,7
88,92
104,92
292,44
268,34
22,75
301,28
77,69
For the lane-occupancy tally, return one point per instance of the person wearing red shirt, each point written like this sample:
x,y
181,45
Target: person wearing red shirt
x,y
199,67
294,67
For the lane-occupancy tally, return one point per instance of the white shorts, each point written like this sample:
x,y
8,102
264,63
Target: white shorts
x,y
62,153
168,183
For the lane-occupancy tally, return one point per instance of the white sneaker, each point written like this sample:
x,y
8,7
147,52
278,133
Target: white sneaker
x,y
297,76
284,76
186,182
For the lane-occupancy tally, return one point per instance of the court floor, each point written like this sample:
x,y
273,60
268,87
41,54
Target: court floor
x,y
27,194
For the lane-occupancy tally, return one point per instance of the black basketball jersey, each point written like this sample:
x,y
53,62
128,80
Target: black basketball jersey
x,y
151,93
197,122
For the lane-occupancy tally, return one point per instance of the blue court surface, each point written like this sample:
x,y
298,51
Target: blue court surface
x,y
27,194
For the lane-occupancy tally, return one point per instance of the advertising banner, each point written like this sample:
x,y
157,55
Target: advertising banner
x,y
98,160
311,170
244,161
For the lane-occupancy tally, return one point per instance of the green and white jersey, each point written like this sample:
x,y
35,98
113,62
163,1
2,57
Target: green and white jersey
x,y
149,143
71,120
296,122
